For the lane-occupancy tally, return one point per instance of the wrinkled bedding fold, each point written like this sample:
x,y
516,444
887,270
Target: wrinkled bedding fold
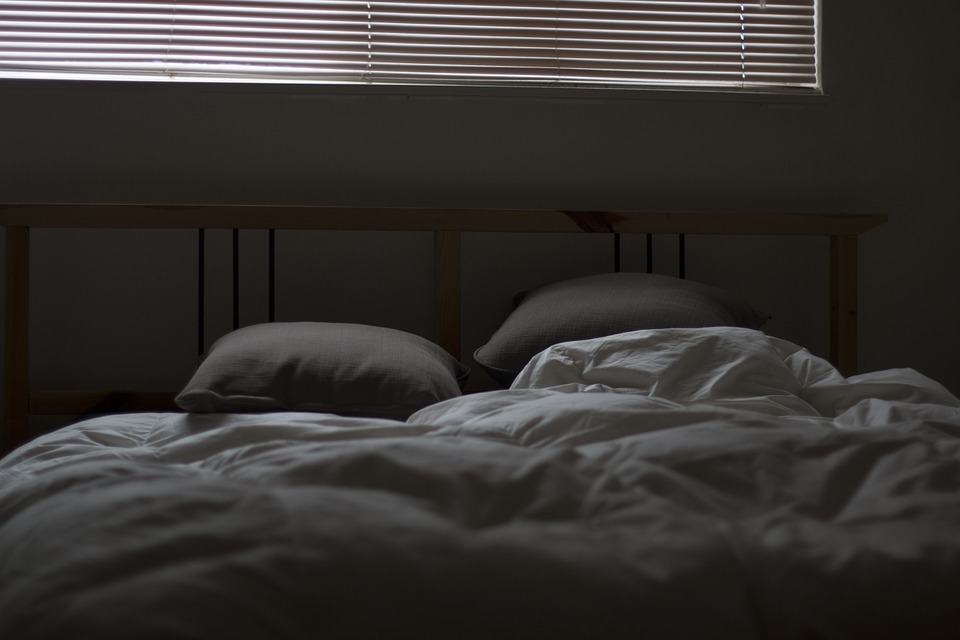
x,y
710,483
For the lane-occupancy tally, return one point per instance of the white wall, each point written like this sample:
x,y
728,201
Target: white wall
x,y
877,144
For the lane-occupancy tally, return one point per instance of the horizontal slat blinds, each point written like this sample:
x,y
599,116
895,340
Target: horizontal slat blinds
x,y
616,43
285,39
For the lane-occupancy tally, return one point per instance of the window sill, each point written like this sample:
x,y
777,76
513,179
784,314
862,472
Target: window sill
x,y
800,97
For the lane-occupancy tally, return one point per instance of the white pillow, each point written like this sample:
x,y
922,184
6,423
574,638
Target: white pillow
x,y
347,369
603,305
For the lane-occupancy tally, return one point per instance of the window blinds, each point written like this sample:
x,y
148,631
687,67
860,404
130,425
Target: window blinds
x,y
708,43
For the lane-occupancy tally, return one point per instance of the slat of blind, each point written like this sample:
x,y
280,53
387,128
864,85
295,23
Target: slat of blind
x,y
711,42
326,39
597,41
312,38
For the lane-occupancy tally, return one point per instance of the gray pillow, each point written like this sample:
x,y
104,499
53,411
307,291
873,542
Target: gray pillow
x,y
347,369
603,305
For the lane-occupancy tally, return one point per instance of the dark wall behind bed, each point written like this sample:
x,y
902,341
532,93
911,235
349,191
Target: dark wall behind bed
x,y
117,308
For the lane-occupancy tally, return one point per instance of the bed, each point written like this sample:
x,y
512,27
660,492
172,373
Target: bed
x,y
659,467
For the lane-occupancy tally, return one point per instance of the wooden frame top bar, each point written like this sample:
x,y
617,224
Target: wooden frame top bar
x,y
146,216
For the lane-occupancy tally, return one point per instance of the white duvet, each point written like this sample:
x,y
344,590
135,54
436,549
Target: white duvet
x,y
711,483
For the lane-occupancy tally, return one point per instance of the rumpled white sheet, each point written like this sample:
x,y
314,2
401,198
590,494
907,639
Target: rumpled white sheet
x,y
667,484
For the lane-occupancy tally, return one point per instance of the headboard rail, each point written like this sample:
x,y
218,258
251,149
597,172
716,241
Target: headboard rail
x,y
447,225
153,216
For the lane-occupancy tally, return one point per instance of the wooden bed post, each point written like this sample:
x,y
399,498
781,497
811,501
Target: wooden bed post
x,y
16,407
843,303
446,265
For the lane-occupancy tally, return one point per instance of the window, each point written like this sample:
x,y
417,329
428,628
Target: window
x,y
768,45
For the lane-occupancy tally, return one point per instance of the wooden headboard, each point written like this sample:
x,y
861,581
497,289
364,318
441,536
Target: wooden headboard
x,y
447,226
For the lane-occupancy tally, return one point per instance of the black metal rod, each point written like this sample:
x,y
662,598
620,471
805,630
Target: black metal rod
x,y
682,255
649,253
272,274
616,253
201,304
236,278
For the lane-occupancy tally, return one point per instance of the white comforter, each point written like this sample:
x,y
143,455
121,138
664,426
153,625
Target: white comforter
x,y
658,484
